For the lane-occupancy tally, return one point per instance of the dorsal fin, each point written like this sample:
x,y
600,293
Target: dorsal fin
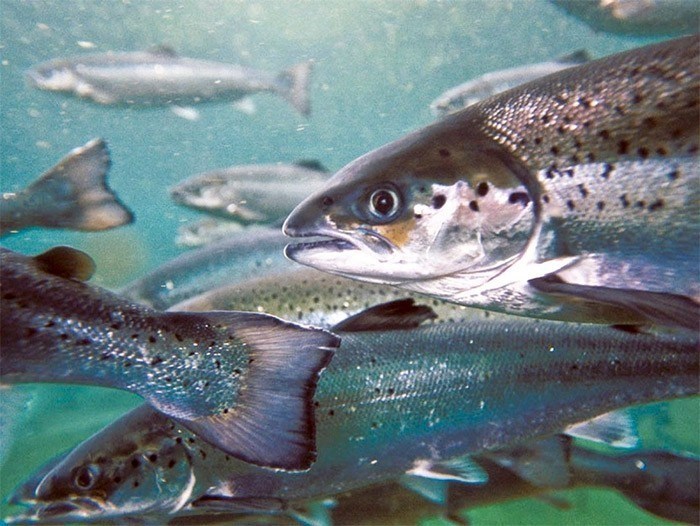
x,y
163,50
66,262
311,164
393,315
577,57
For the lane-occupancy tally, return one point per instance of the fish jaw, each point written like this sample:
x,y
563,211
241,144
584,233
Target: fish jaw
x,y
393,219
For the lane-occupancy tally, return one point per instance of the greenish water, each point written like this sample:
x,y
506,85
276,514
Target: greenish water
x,y
378,64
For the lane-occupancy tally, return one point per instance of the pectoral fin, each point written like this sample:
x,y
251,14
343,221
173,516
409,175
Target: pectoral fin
x,y
393,315
617,429
657,308
462,469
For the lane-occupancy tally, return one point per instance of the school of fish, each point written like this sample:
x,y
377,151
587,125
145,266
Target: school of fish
x,y
392,370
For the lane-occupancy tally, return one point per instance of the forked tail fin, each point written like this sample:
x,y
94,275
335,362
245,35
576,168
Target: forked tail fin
x,y
74,193
294,86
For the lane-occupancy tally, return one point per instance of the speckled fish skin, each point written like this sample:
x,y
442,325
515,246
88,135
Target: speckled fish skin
x,y
590,175
213,371
241,256
255,193
73,194
386,401
312,297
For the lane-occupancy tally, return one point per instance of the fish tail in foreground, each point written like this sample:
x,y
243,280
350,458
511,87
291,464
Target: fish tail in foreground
x,y
272,421
73,194
293,85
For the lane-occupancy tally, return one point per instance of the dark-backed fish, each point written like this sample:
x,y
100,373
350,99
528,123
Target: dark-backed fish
x,y
253,252
637,17
388,405
253,193
160,76
472,91
572,197
73,194
243,381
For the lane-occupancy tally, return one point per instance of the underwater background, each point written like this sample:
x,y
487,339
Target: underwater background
x,y
378,65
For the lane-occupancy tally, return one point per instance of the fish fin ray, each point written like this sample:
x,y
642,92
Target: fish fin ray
x,y
432,490
66,262
462,469
576,57
616,428
294,86
392,315
543,463
311,164
76,192
272,421
163,50
659,308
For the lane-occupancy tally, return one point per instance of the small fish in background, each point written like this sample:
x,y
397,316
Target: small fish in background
x,y
205,232
159,77
489,84
670,18
243,381
72,195
379,418
255,193
572,197
252,252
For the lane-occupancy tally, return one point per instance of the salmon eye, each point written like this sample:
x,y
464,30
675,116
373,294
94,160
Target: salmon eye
x,y
384,203
86,476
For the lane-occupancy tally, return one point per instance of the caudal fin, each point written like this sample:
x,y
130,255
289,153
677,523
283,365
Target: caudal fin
x,y
268,417
294,86
74,193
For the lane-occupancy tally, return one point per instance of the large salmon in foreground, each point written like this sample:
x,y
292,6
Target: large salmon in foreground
x,y
572,197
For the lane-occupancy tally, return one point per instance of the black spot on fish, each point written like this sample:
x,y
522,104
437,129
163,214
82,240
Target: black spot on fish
x,y
136,483
656,205
64,336
574,367
482,189
444,152
643,152
168,379
551,172
217,363
625,202
561,130
677,133
438,201
127,364
545,198
569,172
693,149
554,150
582,190
206,384
171,463
178,440
545,119
640,204
590,157
49,324
135,462
619,109
152,339
673,175
375,425
661,151
190,440
578,144
390,391
377,390
538,140
134,336
607,170
117,479
474,206
331,413
29,332
575,159
570,204
519,197
327,201
649,122
623,147
9,296
637,98
600,205
178,337
584,103
106,356
83,341
156,360
116,326
203,453
604,134
566,119
153,458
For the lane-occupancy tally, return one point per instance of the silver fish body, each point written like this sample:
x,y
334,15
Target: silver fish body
x,y
556,199
474,90
256,193
250,253
161,77
207,370
73,194
390,403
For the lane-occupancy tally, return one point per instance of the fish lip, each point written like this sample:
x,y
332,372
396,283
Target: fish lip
x,y
56,512
341,241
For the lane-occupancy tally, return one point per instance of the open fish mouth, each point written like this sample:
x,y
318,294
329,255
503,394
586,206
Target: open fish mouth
x,y
57,512
333,241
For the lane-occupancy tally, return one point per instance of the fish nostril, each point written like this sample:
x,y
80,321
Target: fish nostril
x,y
327,201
